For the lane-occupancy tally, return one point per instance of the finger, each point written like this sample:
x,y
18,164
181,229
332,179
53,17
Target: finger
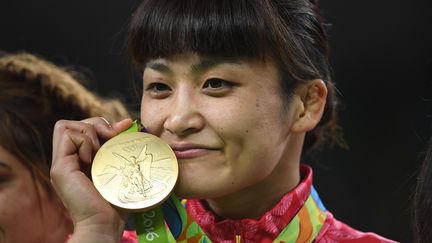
x,y
82,127
105,120
67,173
72,150
72,143
102,127
95,128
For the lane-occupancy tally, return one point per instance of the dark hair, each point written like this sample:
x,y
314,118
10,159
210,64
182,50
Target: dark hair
x,y
422,212
34,94
289,31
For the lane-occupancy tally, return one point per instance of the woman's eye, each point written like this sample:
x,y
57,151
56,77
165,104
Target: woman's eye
x,y
158,87
5,177
158,90
216,83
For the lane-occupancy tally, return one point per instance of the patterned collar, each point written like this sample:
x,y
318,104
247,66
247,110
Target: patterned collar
x,y
269,226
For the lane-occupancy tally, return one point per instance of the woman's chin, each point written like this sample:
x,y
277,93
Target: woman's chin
x,y
197,191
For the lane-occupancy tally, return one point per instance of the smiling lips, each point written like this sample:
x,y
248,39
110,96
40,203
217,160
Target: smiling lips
x,y
188,151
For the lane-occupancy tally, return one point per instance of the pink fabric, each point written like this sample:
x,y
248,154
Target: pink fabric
x,y
269,226
265,229
129,237
335,231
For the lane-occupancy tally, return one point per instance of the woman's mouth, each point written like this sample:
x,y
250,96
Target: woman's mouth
x,y
189,151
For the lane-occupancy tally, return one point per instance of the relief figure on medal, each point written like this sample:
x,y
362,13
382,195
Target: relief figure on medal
x,y
137,173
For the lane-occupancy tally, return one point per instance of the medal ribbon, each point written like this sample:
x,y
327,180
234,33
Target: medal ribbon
x,y
150,225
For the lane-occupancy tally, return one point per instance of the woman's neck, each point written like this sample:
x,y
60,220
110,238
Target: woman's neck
x,y
254,201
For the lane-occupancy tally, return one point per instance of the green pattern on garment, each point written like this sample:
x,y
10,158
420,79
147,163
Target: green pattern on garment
x,y
188,231
312,215
180,209
315,217
192,230
291,232
311,218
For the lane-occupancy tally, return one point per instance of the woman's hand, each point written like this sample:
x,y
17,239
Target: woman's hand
x,y
74,145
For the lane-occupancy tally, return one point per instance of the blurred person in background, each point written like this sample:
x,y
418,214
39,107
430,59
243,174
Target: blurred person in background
x,y
422,210
34,94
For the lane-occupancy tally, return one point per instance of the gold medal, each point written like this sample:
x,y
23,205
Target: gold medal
x,y
135,171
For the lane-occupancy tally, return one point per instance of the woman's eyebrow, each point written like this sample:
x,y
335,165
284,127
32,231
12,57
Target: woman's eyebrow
x,y
160,67
208,63
198,68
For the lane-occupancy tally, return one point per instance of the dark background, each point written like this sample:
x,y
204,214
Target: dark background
x,y
382,61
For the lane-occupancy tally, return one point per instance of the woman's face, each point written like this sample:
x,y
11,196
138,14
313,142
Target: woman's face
x,y
27,213
222,117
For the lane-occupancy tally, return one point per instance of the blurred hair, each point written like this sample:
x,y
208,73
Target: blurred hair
x,y
289,31
422,213
34,94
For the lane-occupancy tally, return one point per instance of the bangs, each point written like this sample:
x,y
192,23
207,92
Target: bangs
x,y
163,28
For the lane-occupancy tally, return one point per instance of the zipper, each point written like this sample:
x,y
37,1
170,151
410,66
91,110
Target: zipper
x,y
238,232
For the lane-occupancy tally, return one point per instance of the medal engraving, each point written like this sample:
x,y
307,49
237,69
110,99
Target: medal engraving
x,y
135,171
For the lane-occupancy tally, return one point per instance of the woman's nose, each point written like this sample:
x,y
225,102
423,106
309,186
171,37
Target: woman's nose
x,y
184,119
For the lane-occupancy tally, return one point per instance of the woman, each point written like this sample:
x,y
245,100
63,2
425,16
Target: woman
x,y
34,94
238,89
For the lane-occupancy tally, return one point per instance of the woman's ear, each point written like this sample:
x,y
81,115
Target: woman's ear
x,y
309,106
